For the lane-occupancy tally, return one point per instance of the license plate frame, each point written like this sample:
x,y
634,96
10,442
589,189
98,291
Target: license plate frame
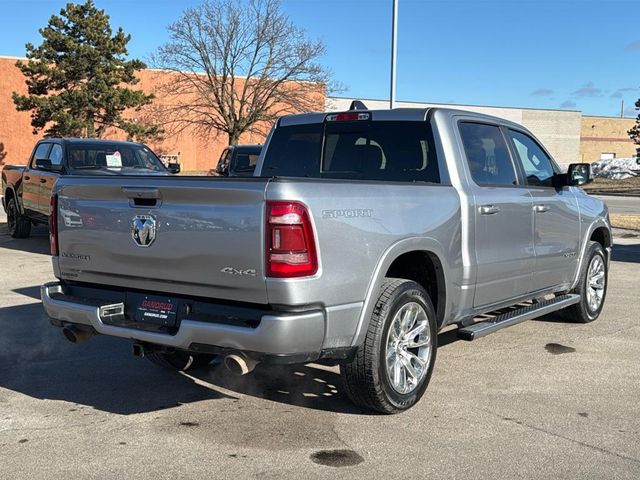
x,y
154,309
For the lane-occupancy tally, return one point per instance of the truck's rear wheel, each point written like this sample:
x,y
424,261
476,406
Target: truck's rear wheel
x,y
392,368
19,226
592,286
180,360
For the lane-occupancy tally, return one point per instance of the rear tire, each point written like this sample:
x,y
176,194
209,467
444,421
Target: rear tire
x,y
179,360
592,286
392,368
19,225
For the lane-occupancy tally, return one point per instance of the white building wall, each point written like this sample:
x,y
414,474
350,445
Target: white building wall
x,y
558,130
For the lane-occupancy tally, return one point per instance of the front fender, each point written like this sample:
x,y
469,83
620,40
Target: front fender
x,y
595,224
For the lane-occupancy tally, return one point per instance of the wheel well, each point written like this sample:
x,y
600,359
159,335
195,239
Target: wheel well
x,y
601,235
425,269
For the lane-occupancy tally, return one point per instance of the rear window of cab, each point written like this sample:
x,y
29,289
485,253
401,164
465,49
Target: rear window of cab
x,y
364,150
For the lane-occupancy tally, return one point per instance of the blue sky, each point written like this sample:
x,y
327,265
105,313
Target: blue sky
x,y
574,54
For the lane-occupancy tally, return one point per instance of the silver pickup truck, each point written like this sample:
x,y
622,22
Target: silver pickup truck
x,y
361,235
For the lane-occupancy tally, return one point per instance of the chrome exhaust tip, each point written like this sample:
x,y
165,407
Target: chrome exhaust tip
x,y
76,335
239,364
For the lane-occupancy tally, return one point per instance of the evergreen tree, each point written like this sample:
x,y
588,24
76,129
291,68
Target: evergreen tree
x,y
77,78
634,133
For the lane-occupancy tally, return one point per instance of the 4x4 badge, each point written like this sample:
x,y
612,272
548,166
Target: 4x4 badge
x,y
143,230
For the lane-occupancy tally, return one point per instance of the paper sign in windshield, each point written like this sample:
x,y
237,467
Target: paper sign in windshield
x,y
114,160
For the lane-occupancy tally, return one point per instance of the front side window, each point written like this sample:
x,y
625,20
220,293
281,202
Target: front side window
x,y
535,162
223,162
40,153
487,154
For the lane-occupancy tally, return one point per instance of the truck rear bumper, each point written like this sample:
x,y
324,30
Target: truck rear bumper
x,y
280,334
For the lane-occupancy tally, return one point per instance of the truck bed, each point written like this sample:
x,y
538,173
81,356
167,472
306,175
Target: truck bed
x,y
210,234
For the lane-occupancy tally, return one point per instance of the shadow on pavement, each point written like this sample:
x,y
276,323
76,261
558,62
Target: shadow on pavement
x,y
31,292
309,386
626,253
35,360
37,242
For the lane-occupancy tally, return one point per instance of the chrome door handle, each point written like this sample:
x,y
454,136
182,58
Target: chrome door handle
x,y
489,209
541,208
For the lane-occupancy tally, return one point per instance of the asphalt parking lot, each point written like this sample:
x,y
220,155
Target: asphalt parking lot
x,y
621,204
544,399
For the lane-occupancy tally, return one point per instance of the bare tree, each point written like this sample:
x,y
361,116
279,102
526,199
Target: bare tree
x,y
236,66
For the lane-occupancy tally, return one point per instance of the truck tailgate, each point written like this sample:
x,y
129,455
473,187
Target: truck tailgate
x,y
180,235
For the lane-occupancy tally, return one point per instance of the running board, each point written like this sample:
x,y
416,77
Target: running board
x,y
482,328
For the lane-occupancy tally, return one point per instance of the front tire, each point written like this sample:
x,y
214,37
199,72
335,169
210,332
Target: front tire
x,y
592,286
19,226
179,360
392,368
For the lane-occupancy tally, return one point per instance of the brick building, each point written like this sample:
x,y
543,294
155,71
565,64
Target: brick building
x,y
606,137
194,152
569,135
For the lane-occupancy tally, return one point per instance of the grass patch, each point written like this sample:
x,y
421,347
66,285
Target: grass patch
x,y
625,220
600,183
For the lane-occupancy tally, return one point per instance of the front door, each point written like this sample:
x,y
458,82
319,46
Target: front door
x,y
48,179
502,216
556,215
31,179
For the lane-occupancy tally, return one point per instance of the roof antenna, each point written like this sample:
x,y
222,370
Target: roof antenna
x,y
357,105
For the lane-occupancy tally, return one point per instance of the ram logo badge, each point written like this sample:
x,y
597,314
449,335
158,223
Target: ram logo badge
x,y
143,230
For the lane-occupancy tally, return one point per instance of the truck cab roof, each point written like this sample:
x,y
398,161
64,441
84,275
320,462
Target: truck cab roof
x,y
396,114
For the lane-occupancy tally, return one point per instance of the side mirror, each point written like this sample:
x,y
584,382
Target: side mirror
x,y
174,168
223,169
43,163
578,174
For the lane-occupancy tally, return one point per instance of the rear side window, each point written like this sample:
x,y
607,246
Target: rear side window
x,y
487,154
392,151
246,160
56,154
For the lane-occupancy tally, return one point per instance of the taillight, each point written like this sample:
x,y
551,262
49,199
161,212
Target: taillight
x,y
53,225
290,244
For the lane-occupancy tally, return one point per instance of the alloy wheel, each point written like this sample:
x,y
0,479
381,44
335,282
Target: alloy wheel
x,y
408,348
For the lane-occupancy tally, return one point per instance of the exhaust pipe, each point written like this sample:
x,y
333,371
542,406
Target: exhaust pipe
x,y
76,335
239,364
137,350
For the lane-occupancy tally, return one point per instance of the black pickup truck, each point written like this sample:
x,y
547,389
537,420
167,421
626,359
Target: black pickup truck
x,y
27,189
237,161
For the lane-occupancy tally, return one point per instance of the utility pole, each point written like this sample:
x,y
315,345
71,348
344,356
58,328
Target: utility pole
x,y
394,38
622,109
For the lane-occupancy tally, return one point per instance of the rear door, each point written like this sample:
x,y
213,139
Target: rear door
x,y
556,214
192,236
502,216
48,178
